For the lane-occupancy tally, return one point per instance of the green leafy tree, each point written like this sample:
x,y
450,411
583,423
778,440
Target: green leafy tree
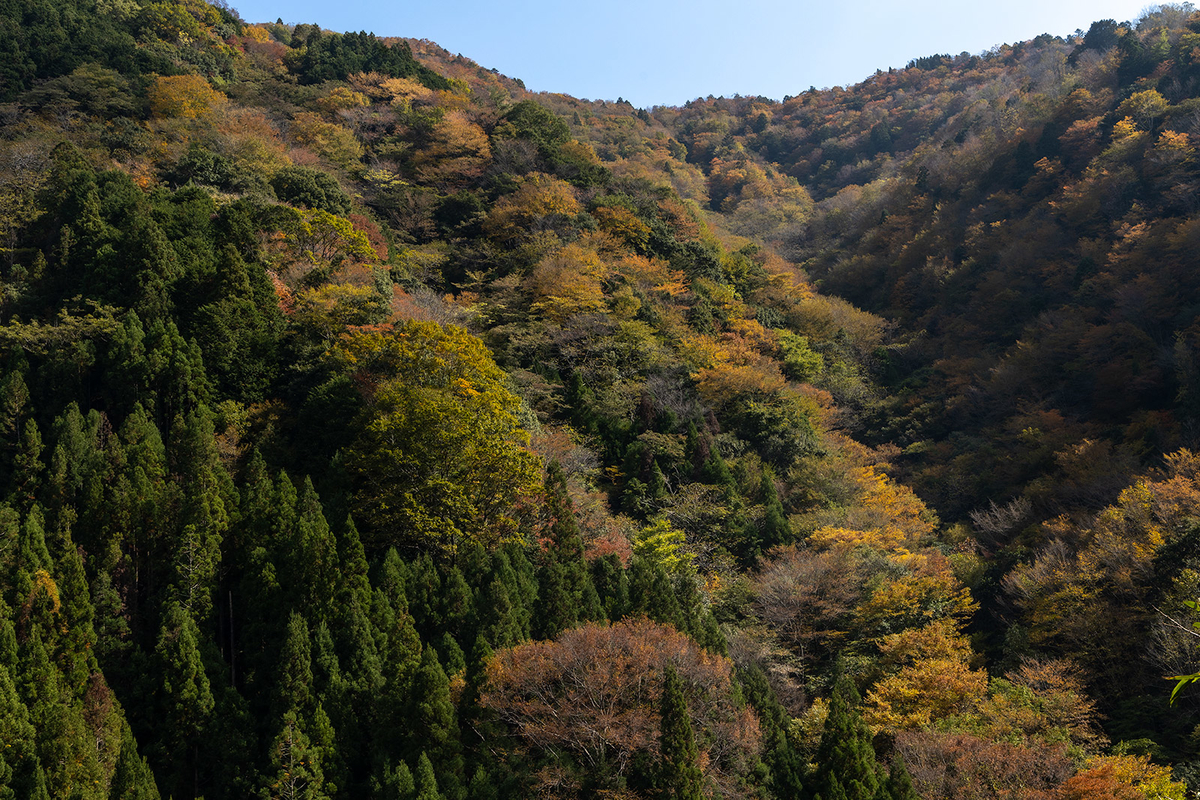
x,y
310,188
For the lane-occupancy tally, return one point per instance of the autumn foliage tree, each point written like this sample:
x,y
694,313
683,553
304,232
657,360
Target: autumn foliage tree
x,y
595,693
186,96
441,458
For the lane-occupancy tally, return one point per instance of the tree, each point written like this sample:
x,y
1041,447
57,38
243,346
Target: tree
x,y
426,785
899,785
187,96
434,724
946,766
775,527
846,765
298,774
680,774
595,693
310,188
441,457
186,696
934,679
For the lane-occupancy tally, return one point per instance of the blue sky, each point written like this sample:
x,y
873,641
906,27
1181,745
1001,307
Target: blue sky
x,y
665,52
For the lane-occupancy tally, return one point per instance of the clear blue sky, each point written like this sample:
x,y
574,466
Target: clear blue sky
x,y
665,52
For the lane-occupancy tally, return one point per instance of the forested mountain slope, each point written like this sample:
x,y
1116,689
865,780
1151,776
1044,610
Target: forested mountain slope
x,y
370,426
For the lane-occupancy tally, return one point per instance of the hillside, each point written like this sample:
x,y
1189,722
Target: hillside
x,y
373,427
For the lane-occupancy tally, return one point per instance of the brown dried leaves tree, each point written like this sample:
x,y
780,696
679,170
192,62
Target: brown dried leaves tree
x,y
594,693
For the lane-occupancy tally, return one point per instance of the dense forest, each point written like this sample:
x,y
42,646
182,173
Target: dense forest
x,y
373,427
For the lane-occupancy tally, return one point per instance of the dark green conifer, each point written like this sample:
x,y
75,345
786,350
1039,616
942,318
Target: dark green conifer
x,y
456,603
611,582
296,769
132,778
293,688
482,787
39,791
525,597
186,698
357,652
786,765
426,782
354,575
327,670
77,641
680,776
899,785
651,592
776,530
497,619
392,578
846,763
424,595
656,488
312,562
590,607
556,608
18,737
397,783
451,655
27,464
476,673
434,723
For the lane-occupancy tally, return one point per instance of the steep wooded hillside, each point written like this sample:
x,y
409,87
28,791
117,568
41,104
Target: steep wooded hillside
x,y
370,426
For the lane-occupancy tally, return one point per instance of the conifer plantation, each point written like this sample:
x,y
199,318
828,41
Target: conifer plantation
x,y
373,427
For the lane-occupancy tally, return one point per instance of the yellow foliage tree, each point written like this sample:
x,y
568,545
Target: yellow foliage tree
x,y
567,282
186,96
329,140
934,679
539,204
441,457
457,153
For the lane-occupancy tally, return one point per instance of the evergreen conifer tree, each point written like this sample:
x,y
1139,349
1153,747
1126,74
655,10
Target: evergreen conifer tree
x,y
424,595
899,785
293,689
456,604
434,723
776,530
397,783
19,740
652,593
296,765
525,597
611,582
556,608
680,777
426,781
786,765
846,765
497,617
312,563
482,787
186,698
132,778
